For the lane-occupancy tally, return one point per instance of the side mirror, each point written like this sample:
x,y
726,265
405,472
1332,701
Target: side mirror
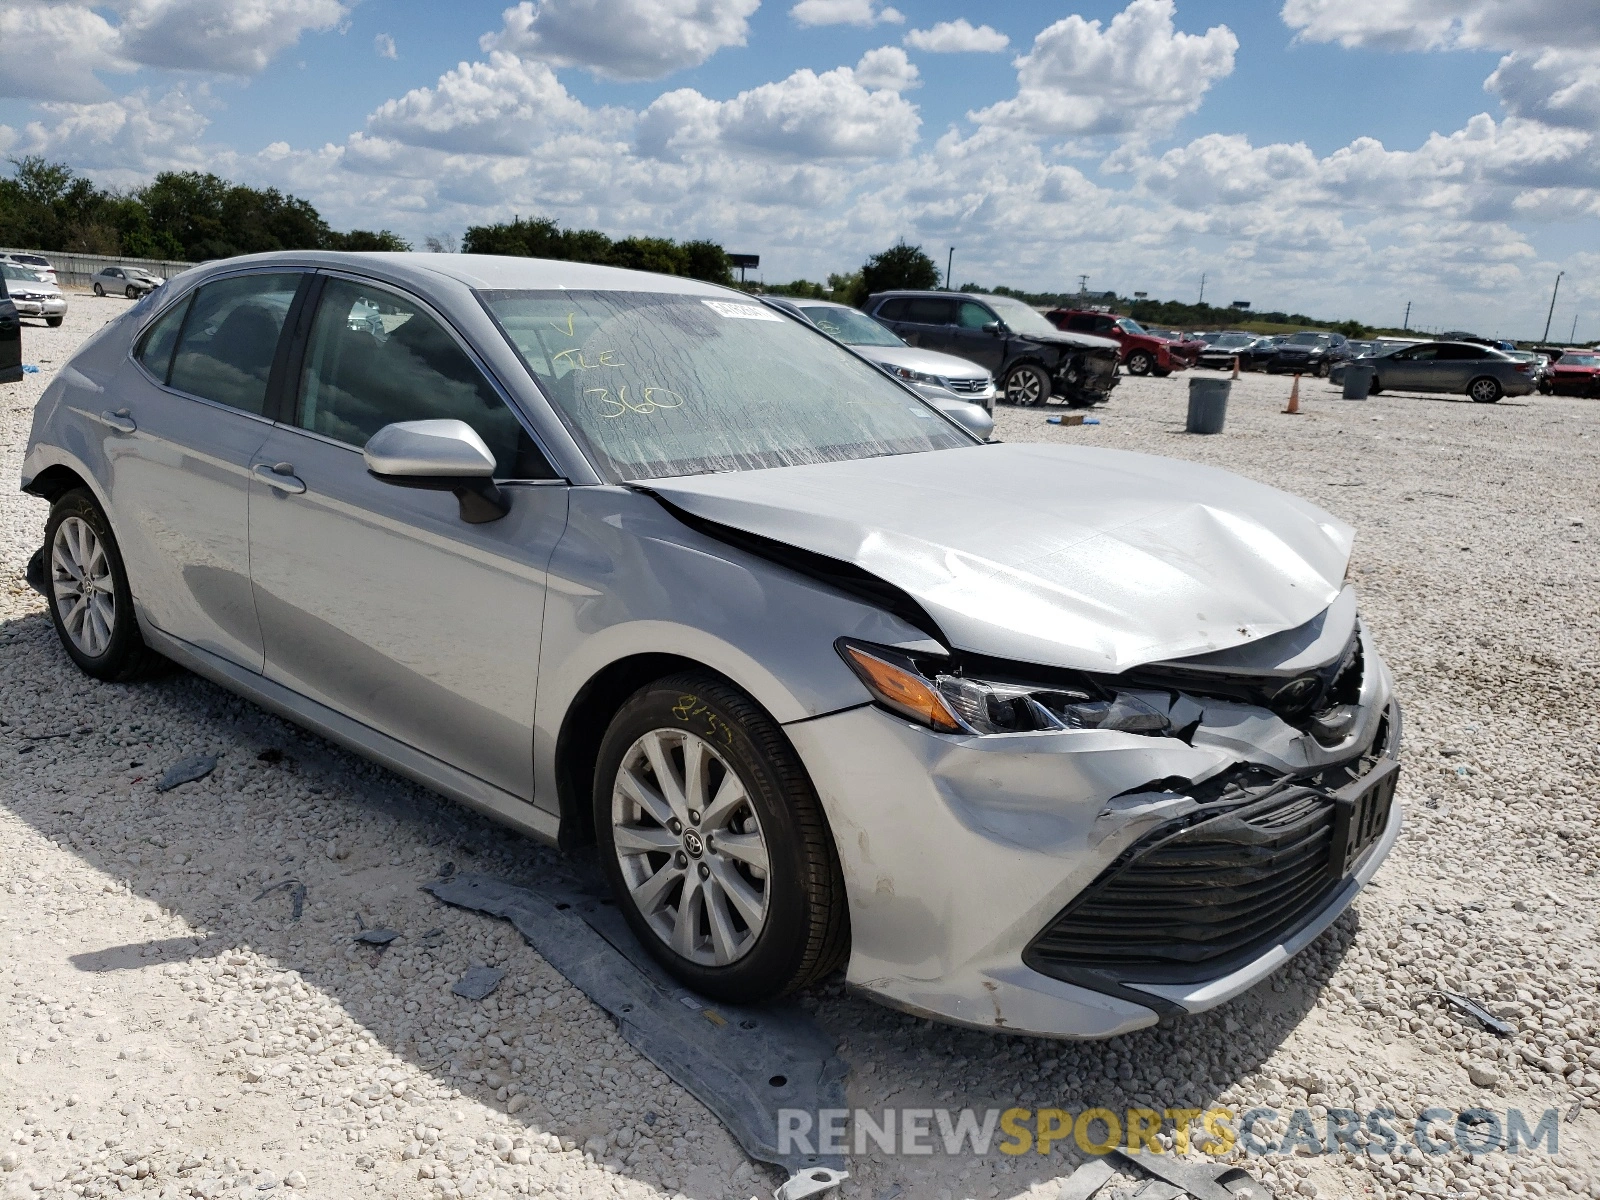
x,y
995,327
445,456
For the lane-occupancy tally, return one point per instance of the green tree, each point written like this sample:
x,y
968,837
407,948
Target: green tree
x,y
900,266
365,239
541,237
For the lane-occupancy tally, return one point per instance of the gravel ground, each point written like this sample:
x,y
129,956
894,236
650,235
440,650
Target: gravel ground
x,y
165,1029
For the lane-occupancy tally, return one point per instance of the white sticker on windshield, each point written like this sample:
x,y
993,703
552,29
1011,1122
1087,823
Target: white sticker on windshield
x,y
740,312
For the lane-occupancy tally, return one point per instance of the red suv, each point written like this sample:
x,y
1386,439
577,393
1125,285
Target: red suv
x,y
1142,353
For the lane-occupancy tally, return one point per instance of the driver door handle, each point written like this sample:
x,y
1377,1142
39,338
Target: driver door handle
x,y
280,477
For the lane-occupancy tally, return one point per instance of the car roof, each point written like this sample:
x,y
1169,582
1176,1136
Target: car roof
x,y
490,272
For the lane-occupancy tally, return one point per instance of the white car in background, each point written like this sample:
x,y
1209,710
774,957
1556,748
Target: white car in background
x,y
32,296
37,263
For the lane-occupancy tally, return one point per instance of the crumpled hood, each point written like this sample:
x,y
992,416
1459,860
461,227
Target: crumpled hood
x,y
1080,341
1055,555
929,362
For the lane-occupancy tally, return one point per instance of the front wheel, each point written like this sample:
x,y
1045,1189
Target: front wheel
x,y
54,322
1485,390
715,843
89,600
1140,363
99,290
1028,384
132,292
1322,370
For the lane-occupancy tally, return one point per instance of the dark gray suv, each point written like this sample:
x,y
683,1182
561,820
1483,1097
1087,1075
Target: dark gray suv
x,y
1031,357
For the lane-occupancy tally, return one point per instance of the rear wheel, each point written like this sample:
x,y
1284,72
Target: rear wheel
x,y
1140,363
99,290
90,604
1028,384
715,843
1485,390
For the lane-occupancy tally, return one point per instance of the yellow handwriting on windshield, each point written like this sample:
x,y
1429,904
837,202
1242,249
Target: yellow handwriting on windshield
x,y
620,404
577,362
568,329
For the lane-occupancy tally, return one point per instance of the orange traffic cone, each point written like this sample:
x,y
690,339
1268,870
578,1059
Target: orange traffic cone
x,y
1236,366
1294,398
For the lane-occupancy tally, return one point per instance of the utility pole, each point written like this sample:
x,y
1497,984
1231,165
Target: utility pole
x,y
1202,299
1552,313
948,264
1406,324
1572,338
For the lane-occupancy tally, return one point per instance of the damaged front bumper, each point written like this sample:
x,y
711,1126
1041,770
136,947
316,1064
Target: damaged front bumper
x,y
1082,883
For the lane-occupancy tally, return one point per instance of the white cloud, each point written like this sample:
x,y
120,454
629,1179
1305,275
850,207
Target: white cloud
x,y
121,140
1138,76
239,37
846,12
52,51
385,47
1558,87
887,67
954,37
502,107
623,39
1446,24
807,117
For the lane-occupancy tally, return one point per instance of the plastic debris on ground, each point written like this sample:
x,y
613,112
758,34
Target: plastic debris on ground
x,y
376,937
811,1182
1086,1180
1200,1180
1479,1013
1072,419
744,1064
478,983
187,771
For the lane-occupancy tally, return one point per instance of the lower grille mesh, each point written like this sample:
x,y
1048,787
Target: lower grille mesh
x,y
1206,892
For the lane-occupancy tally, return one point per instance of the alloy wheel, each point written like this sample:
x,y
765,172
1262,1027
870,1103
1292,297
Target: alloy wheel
x,y
693,855
1485,391
85,596
1024,387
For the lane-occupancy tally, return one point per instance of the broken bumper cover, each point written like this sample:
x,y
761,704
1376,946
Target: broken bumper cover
x,y
961,854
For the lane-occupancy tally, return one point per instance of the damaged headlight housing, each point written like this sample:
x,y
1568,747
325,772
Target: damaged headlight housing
x,y
961,704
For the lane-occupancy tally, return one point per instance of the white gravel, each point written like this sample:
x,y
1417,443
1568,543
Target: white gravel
x,y
161,1030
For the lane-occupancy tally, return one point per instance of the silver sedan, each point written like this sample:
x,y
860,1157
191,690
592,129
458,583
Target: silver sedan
x,y
1044,739
1464,368
131,282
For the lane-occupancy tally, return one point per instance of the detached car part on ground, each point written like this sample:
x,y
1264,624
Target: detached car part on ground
x,y
1032,359
1464,368
32,296
831,683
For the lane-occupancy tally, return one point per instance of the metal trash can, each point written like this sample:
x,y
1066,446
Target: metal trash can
x,y
1358,382
1208,404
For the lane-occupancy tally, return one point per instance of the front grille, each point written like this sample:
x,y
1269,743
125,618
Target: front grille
x,y
968,386
1214,890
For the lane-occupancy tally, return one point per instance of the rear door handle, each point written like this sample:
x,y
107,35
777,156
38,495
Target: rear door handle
x,y
120,420
280,477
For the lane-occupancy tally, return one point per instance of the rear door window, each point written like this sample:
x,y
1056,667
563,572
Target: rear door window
x,y
230,338
892,310
930,311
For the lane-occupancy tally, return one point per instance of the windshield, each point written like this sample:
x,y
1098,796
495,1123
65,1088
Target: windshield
x,y
656,385
1308,339
1230,340
1580,360
1020,317
1129,325
20,274
849,326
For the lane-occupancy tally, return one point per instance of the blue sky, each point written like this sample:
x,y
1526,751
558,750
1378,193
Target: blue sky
x,y
1336,156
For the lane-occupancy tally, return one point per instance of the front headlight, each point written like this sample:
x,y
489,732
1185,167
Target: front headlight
x,y
959,704
911,376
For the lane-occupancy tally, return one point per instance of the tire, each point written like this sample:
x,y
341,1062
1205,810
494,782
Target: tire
x,y
752,935
98,290
1140,363
1485,390
1028,384
54,322
102,636
132,292
1322,370
1376,386
1161,372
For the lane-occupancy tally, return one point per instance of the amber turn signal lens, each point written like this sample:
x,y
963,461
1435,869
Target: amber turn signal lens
x,y
902,690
